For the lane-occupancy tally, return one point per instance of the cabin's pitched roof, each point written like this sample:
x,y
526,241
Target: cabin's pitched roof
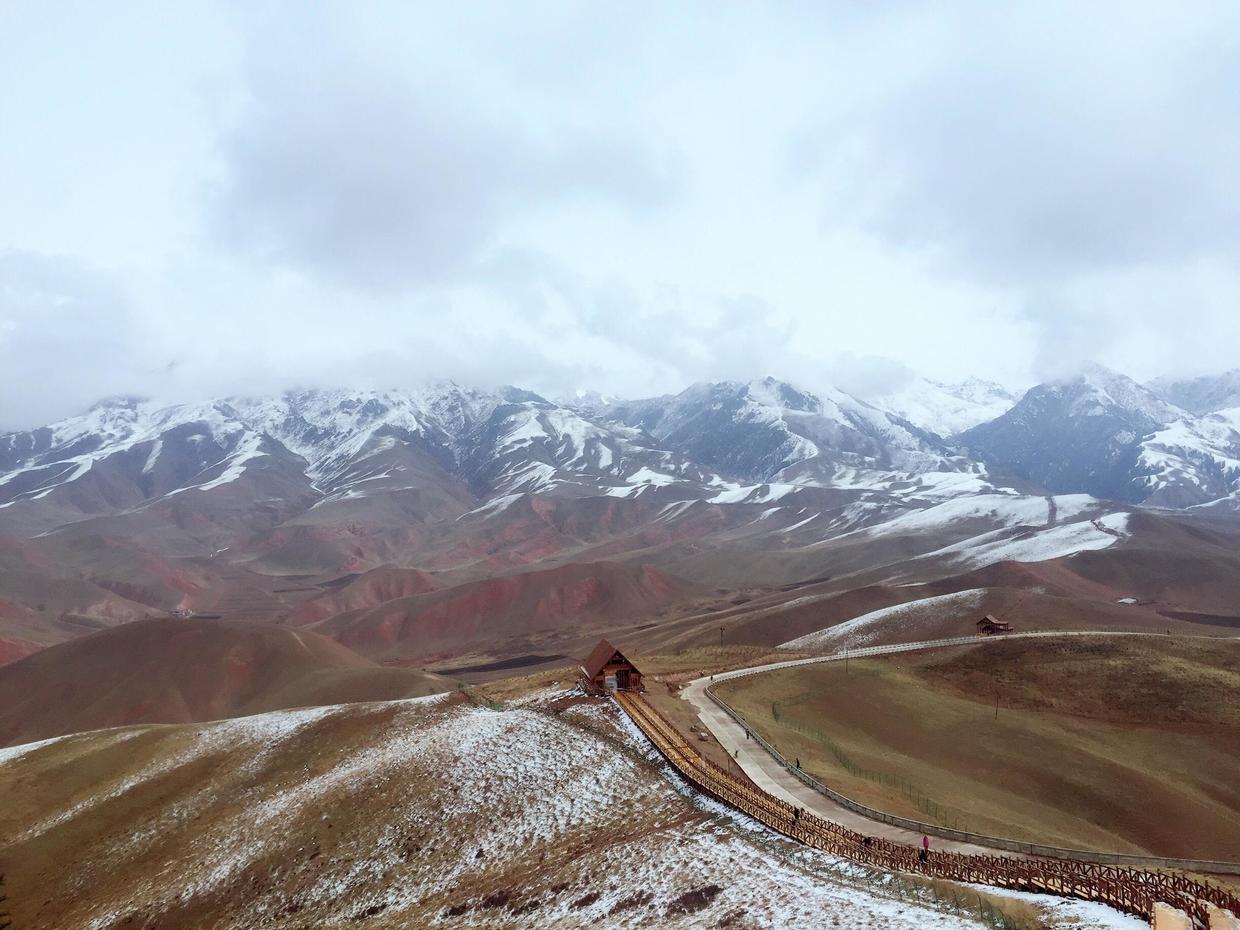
x,y
599,657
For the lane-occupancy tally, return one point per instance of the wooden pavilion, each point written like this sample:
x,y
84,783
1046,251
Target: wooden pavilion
x,y
989,625
606,669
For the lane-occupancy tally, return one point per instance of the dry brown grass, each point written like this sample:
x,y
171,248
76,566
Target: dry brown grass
x,y
1129,746
509,689
688,664
390,816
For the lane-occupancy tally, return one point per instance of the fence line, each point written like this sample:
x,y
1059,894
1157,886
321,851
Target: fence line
x,y
980,839
1131,890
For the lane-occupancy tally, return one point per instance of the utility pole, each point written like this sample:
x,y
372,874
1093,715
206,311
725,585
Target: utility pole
x,y
720,637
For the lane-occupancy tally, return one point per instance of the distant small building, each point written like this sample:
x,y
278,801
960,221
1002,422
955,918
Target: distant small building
x,y
606,669
990,625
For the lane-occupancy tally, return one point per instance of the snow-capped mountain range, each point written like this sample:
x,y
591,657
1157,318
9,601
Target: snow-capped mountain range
x,y
408,523
1103,433
1099,433
946,409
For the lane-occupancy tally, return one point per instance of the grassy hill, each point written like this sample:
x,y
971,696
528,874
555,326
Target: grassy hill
x,y
183,671
546,813
1123,744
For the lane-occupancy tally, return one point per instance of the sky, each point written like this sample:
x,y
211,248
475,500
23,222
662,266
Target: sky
x,y
236,198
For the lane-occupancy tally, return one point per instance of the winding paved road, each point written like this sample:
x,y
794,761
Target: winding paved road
x,y
767,773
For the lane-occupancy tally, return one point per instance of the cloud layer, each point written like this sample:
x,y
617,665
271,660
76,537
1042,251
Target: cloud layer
x,y
243,198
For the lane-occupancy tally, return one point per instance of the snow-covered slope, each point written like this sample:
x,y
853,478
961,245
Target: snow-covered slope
x,y
1203,394
945,409
768,429
865,629
462,448
413,814
335,444
1078,434
124,452
1193,461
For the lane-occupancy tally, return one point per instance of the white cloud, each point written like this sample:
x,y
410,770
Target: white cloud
x,y
627,199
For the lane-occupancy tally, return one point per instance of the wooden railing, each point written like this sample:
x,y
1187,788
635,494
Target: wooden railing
x,y
1131,890
1200,866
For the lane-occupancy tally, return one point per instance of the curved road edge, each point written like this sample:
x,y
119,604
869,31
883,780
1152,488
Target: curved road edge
x,y
769,770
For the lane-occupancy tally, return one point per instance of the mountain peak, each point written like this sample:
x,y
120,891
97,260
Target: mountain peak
x,y
118,402
1096,390
1201,394
945,409
771,392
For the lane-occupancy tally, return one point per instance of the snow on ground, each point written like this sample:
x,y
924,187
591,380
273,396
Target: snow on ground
x,y
956,512
646,475
865,629
93,740
1202,452
946,409
427,813
264,731
113,428
494,506
940,484
1085,915
247,449
1003,509
1057,542
754,494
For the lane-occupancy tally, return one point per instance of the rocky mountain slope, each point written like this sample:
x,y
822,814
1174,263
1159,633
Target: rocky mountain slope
x,y
769,430
1102,433
946,409
1201,395
458,525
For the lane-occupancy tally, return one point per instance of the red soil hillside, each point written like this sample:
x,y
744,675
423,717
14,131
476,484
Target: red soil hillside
x,y
494,609
369,589
181,671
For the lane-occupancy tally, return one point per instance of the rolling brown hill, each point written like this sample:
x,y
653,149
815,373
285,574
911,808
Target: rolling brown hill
x,y
398,815
185,671
366,590
485,613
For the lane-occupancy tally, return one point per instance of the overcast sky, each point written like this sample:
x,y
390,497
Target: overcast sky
x,y
235,198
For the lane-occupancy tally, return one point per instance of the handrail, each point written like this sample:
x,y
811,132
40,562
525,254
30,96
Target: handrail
x,y
1197,865
978,839
1131,890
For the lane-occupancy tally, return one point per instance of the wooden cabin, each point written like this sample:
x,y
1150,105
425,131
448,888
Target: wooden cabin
x,y
606,669
989,625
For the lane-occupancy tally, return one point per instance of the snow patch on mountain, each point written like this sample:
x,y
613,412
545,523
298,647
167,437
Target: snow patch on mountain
x,y
1097,391
1002,509
1203,394
902,618
945,409
754,494
554,795
1201,456
1056,542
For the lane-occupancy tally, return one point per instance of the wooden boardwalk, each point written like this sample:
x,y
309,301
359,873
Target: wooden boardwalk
x,y
1131,890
